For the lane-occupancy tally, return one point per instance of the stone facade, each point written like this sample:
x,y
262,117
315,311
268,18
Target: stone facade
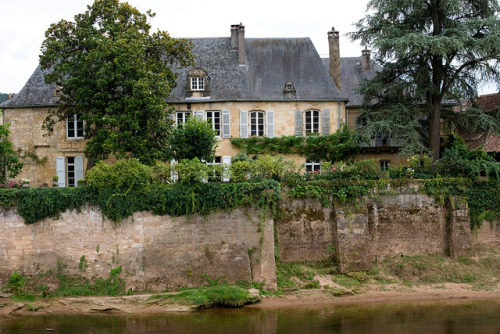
x,y
28,135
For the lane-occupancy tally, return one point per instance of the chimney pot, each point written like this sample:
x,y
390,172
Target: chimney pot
x,y
365,59
333,43
241,44
234,36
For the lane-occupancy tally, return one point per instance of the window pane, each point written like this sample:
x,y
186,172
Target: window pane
x,y
70,166
79,126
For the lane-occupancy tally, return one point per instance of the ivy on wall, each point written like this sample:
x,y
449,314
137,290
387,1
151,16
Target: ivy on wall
x,y
336,147
175,200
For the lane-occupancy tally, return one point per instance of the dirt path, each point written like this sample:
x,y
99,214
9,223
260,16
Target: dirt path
x,y
139,304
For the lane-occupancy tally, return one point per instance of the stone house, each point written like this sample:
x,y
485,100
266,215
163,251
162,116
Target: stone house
x,y
243,86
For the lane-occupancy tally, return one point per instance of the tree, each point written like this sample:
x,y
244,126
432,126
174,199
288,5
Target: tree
x,y
193,139
430,50
10,166
116,77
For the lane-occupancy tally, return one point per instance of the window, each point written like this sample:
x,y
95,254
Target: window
x,y
384,164
213,118
312,121
74,126
197,83
216,174
69,170
257,123
313,166
182,117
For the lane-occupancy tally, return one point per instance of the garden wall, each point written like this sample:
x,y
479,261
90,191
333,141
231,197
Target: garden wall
x,y
159,252
155,252
372,229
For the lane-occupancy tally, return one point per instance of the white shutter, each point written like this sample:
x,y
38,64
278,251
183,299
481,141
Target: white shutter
x,y
243,124
173,175
78,169
270,123
226,163
226,124
61,171
199,114
325,122
299,123
172,116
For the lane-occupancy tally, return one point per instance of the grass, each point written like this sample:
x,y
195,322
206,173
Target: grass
x,y
214,296
481,274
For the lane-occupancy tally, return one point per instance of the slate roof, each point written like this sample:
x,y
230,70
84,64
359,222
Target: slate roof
x,y
270,63
34,93
351,77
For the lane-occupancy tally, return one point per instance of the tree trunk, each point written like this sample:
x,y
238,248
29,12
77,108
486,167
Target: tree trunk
x,y
90,164
435,128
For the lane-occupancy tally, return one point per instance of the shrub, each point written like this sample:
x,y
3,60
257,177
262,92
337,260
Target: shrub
x,y
122,176
193,139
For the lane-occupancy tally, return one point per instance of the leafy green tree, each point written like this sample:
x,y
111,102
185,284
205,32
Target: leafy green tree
x,y
116,76
193,139
10,166
429,50
4,97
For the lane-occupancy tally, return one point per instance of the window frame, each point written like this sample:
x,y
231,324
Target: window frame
x,y
259,117
197,83
182,117
384,164
214,177
217,126
314,122
78,127
312,166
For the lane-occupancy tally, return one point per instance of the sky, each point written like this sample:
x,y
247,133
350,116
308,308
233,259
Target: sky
x,y
24,22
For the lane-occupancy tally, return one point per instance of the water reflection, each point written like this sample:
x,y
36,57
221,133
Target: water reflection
x,y
478,316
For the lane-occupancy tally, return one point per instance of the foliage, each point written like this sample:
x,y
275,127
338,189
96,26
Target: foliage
x,y
35,204
193,139
214,296
122,176
10,166
74,286
116,76
16,284
458,161
336,147
272,167
428,50
4,97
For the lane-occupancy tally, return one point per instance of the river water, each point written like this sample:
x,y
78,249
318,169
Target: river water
x,y
451,317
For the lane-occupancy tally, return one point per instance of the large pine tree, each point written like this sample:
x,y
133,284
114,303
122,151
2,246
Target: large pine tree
x,y
430,50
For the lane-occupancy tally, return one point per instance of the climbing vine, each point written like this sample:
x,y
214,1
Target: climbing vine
x,y
336,147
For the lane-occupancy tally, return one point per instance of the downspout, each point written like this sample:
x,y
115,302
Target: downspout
x,y
338,115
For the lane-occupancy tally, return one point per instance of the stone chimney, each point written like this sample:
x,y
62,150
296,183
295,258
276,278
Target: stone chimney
x,y
234,36
333,43
366,63
241,44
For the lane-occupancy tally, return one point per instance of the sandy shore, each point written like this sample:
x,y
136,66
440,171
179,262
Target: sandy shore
x,y
140,304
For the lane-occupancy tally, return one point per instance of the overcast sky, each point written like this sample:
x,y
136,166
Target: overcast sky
x,y
23,24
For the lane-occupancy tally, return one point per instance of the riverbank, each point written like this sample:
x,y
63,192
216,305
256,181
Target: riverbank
x,y
142,304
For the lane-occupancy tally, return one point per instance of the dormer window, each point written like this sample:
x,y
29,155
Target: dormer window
x,y
58,92
289,87
197,83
